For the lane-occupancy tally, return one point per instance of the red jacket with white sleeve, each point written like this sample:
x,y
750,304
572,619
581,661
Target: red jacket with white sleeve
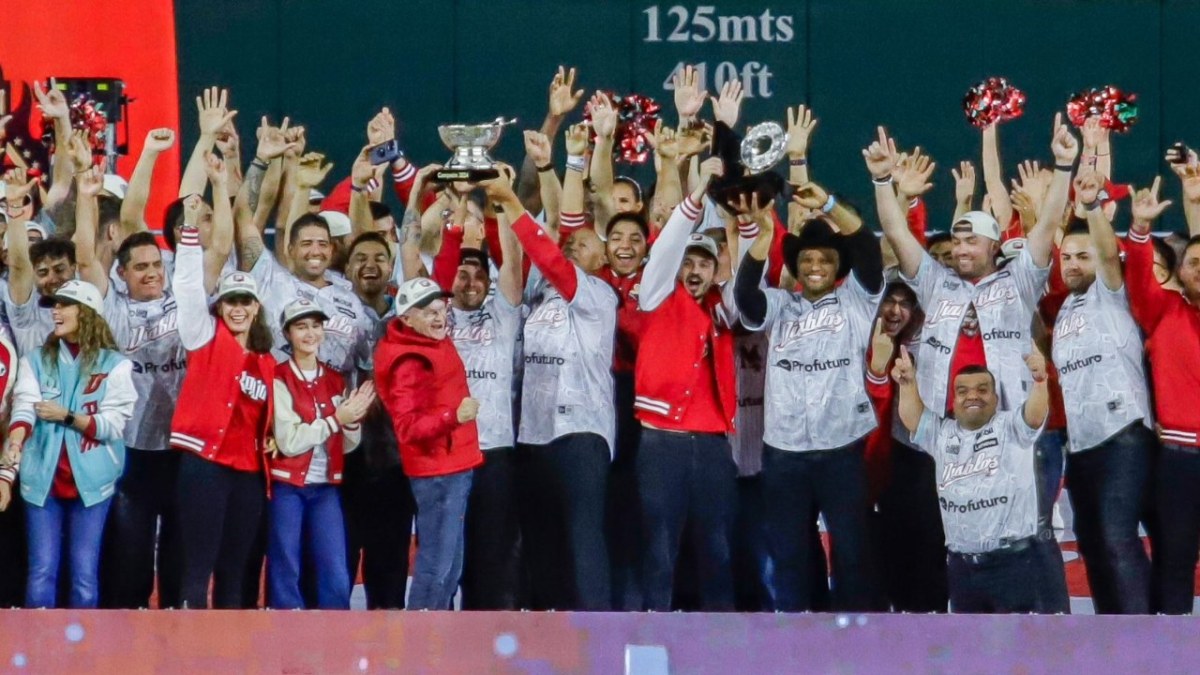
x,y
1172,327
305,419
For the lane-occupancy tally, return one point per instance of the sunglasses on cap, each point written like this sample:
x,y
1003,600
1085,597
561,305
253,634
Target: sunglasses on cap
x,y
238,299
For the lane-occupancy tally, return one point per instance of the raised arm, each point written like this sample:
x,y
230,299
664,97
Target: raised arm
x,y
1097,151
801,125
133,207
964,188
87,221
993,177
20,269
1108,264
213,116
310,171
365,181
910,408
538,150
1148,300
747,285
512,268
658,277
1037,406
188,282
563,98
1187,168
220,241
604,122
54,107
543,251
668,186
573,190
880,158
1040,239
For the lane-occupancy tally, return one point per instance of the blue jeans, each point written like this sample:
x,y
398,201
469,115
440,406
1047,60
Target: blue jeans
x,y
798,487
1108,488
688,488
441,510
1027,578
1050,451
83,529
306,525
1177,509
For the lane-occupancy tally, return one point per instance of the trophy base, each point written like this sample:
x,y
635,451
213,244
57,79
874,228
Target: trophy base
x,y
468,175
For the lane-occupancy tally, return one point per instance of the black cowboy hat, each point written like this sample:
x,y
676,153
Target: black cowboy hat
x,y
816,234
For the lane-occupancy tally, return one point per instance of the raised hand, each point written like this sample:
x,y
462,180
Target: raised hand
x,y
912,174
1146,207
881,155
1025,204
538,147
1088,184
311,170
499,189
272,141
228,141
604,115
811,196
381,128
90,182
214,168
882,347
1093,134
728,106
709,169
577,139
295,139
801,125
1036,362
213,113
562,99
79,151
964,182
51,101
693,139
4,116
689,92
362,172
423,176
1063,145
665,144
902,371
159,140
1178,163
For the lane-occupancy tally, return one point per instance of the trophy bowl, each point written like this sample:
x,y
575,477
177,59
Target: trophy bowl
x,y
763,146
470,143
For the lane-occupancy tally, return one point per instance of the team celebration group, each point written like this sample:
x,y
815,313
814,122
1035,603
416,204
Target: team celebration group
x,y
717,392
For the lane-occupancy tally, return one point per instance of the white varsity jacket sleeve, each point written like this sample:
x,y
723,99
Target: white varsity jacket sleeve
x,y
662,269
116,408
294,436
197,325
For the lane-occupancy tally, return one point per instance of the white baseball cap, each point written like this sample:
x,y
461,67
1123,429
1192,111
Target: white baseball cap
x,y
704,243
339,223
315,195
979,223
237,283
76,292
300,308
115,185
417,292
1012,248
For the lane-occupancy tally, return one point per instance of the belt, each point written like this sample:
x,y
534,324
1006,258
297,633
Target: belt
x,y
994,555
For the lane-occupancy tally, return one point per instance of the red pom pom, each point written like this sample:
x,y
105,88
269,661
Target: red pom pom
x,y
993,100
1116,110
637,115
86,116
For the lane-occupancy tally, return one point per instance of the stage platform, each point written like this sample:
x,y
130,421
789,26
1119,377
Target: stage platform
x,y
128,642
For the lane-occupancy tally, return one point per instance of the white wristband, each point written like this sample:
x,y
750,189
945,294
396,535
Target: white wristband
x,y
575,163
829,204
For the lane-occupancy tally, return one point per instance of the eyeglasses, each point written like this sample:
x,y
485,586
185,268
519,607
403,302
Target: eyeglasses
x,y
238,300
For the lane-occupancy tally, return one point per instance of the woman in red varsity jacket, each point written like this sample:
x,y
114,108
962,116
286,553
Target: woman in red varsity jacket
x,y
222,422
315,425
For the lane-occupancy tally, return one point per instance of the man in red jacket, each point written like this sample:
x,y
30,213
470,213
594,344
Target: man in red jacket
x,y
1171,322
423,385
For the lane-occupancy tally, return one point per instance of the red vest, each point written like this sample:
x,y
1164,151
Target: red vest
x,y
675,339
447,454
306,396
630,320
210,387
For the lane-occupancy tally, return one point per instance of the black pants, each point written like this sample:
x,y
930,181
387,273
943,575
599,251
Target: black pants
x,y
624,517
141,535
912,544
220,513
752,591
687,483
14,557
564,484
1108,489
491,566
799,486
1177,518
1025,579
379,509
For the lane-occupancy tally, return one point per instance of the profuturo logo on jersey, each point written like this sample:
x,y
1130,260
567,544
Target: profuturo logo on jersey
x,y
824,320
977,466
548,315
1070,326
972,505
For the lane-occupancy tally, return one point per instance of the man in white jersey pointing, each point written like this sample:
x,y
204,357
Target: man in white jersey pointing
x,y
999,561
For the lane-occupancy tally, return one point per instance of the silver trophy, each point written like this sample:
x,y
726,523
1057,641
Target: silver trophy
x,y
470,143
763,147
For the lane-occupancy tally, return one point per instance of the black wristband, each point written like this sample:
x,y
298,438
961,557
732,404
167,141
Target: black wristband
x,y
800,161
545,167
259,163
69,420
883,180
1064,167
1093,205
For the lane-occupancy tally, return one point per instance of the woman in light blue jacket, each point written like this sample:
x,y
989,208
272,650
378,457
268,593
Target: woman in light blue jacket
x,y
72,400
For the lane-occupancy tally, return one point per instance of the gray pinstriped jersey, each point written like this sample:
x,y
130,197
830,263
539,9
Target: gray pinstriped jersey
x,y
986,479
147,334
1098,353
486,340
750,354
816,396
